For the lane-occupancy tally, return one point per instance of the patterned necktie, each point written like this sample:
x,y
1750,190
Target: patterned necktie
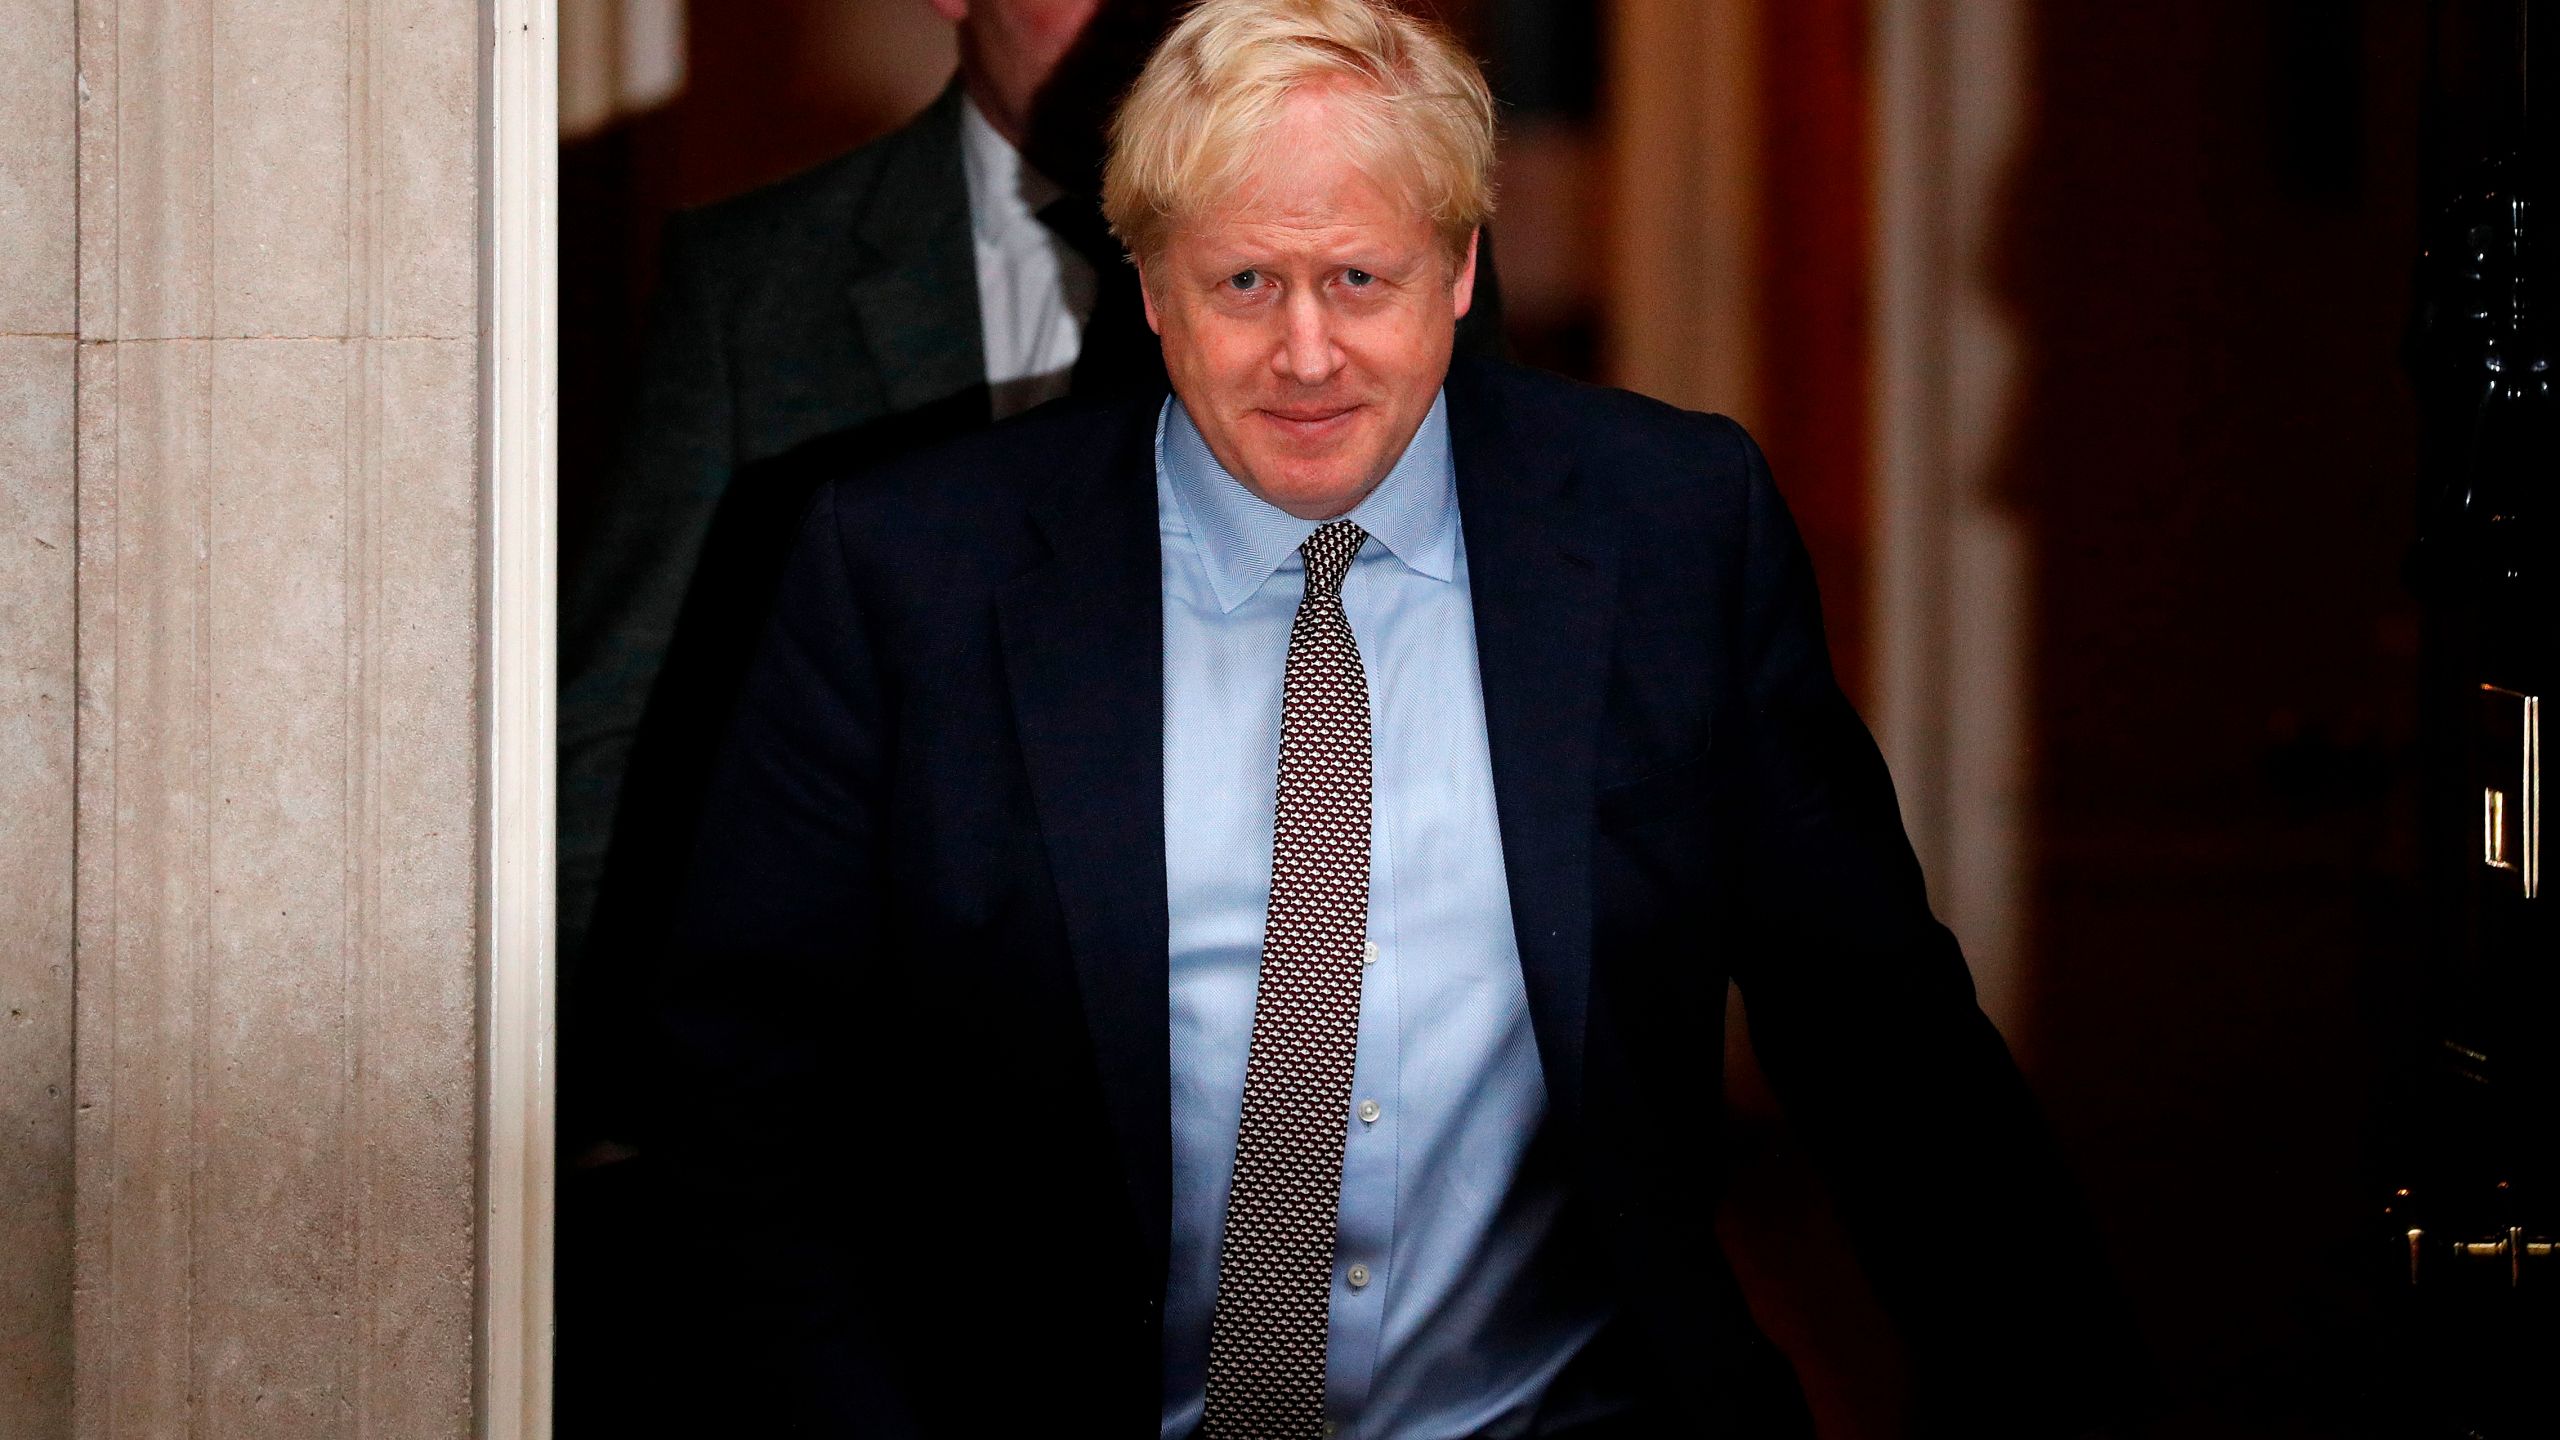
x,y
1275,1264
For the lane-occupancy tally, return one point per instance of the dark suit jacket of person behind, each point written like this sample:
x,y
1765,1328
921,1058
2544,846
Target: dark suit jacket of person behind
x,y
919,1000
822,323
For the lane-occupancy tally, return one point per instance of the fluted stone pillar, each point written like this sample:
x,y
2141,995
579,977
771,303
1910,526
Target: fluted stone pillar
x,y
38,143
241,629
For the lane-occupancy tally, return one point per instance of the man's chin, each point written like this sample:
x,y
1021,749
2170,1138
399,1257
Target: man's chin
x,y
1313,491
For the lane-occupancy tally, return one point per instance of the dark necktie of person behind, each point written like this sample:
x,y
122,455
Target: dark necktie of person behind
x,y
1120,353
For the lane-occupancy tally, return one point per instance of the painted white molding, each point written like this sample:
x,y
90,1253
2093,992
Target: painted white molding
x,y
520,326
1954,570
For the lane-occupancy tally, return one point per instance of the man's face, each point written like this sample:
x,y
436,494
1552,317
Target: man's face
x,y
1010,47
1307,323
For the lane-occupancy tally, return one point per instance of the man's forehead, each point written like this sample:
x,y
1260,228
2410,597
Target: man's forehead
x,y
1310,205
1219,231
1404,249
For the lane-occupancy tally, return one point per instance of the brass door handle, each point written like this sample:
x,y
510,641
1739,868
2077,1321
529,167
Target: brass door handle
x,y
2511,1247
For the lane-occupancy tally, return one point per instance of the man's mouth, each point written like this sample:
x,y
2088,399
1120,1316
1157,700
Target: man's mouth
x,y
1309,422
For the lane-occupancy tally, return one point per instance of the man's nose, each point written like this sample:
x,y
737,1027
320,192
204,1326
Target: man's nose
x,y
1306,354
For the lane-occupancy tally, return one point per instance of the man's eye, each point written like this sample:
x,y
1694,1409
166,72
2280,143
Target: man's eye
x,y
1357,278
1244,280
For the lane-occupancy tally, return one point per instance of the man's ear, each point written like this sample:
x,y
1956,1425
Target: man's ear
x,y
1147,295
1462,292
954,11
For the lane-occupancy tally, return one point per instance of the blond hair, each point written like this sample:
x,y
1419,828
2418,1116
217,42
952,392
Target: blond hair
x,y
1414,109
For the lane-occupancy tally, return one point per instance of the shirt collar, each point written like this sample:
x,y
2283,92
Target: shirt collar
x,y
1244,539
1005,195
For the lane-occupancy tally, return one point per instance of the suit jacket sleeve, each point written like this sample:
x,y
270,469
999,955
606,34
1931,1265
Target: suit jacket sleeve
x,y
619,606
1864,1017
773,953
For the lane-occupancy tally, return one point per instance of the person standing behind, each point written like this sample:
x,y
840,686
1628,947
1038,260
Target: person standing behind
x,y
905,278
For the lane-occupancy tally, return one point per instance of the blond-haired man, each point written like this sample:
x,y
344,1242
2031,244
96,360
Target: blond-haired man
x,y
1217,914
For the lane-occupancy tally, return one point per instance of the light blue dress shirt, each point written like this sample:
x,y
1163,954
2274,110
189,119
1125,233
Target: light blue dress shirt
x,y
1449,1325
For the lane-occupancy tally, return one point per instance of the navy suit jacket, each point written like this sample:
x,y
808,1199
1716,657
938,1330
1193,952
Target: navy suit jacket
x,y
917,1009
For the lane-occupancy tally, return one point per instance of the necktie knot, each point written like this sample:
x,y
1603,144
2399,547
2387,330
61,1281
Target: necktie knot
x,y
1329,553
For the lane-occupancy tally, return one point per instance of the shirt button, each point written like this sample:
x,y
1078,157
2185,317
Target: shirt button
x,y
1369,1111
1358,1276
1329,1429
1369,952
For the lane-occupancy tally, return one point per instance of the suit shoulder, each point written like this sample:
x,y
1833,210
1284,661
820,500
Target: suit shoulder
x,y
1637,442
974,491
812,212
1004,462
788,215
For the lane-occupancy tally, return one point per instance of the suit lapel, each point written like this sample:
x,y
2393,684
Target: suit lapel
x,y
1083,637
914,289
1083,640
1542,570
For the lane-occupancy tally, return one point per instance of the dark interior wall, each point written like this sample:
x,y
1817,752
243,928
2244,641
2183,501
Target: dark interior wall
x,y
2215,441
2206,252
